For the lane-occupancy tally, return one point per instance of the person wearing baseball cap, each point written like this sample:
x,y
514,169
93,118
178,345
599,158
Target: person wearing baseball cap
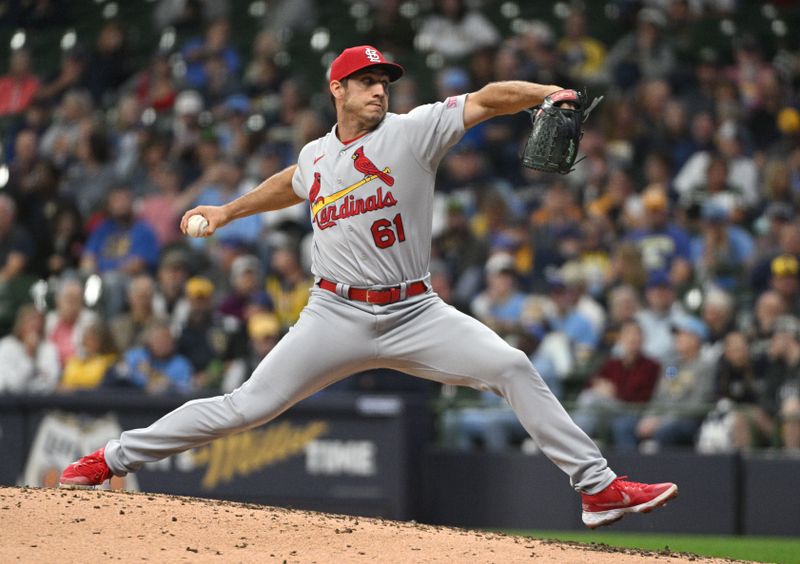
x,y
369,187
665,245
354,59
682,394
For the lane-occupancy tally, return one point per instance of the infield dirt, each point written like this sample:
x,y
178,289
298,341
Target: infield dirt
x,y
51,525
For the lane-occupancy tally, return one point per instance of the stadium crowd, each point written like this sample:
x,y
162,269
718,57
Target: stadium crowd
x,y
656,287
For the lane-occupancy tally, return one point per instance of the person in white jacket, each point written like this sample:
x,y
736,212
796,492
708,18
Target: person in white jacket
x,y
28,362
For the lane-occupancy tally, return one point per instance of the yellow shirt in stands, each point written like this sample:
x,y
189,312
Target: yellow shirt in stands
x,y
288,301
85,374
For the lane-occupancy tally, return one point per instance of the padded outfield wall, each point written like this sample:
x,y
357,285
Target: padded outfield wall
x,y
374,455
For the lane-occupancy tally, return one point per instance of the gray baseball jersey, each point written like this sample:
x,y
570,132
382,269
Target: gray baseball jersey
x,y
371,200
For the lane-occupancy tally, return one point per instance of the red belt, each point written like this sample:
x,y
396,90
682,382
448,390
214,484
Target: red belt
x,y
381,297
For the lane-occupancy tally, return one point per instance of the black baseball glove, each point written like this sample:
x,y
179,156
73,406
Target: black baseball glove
x,y
556,132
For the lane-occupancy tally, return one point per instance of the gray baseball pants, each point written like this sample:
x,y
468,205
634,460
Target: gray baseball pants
x,y
336,337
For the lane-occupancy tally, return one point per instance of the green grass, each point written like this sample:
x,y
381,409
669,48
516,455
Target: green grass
x,y
759,549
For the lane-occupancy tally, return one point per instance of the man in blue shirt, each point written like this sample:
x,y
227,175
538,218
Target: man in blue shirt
x,y
722,253
121,242
664,245
155,367
120,248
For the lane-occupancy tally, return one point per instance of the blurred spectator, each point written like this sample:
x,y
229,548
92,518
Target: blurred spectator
x,y
24,157
232,130
454,31
681,399
188,15
462,253
220,83
174,269
155,367
70,76
703,172
121,242
19,87
119,248
155,85
643,53
614,195
36,192
748,68
500,305
127,135
90,179
584,55
769,307
656,319
15,252
574,277
67,241
739,382
186,129
198,51
780,369
288,284
28,361
622,386
223,182
285,16
718,313
65,325
108,63
263,333
778,187
163,208
395,30
488,424
15,242
627,266
699,95
788,244
464,169
785,280
664,244
595,258
570,340
206,338
86,368
247,290
623,306
262,76
769,226
70,121
722,253
128,327
539,54
556,234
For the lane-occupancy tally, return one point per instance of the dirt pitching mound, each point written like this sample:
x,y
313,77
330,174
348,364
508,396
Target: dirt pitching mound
x,y
50,525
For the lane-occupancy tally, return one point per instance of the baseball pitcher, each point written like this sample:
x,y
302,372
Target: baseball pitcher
x,y
369,184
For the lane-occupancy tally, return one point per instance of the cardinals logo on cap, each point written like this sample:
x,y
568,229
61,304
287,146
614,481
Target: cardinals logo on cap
x,y
372,55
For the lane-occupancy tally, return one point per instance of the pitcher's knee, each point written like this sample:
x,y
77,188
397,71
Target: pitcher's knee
x,y
515,367
256,409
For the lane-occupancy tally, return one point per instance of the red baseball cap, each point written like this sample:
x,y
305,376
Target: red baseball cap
x,y
356,58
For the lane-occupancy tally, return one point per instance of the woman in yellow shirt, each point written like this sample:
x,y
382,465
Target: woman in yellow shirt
x,y
86,369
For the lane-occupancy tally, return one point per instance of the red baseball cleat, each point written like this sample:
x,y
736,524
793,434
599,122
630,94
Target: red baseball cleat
x,y
89,471
621,497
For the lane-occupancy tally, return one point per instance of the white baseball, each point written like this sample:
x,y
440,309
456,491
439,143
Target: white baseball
x,y
196,226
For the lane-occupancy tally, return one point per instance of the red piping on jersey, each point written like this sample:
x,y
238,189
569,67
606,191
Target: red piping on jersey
x,y
354,139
